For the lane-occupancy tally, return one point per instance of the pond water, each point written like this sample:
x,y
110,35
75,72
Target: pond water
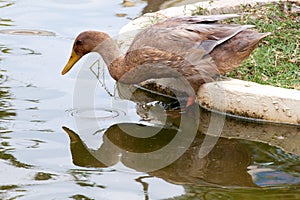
x,y
55,145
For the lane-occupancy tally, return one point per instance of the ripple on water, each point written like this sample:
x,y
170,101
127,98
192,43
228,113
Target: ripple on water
x,y
96,113
27,32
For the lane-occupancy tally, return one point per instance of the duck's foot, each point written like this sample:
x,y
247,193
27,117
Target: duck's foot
x,y
180,104
177,108
190,101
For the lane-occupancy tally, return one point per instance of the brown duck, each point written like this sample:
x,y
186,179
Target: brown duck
x,y
196,48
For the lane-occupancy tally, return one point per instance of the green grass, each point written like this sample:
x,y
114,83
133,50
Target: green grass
x,y
277,59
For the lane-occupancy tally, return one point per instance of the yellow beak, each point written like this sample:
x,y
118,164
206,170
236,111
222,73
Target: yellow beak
x,y
72,60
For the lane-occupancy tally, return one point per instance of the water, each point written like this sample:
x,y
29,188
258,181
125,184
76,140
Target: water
x,y
54,146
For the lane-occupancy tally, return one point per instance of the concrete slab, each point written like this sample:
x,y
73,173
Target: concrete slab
x,y
252,100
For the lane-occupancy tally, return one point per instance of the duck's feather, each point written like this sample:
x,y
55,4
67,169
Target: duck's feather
x,y
180,34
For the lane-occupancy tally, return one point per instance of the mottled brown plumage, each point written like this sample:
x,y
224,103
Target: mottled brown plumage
x,y
196,48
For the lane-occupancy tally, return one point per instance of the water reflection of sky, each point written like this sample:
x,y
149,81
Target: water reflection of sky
x,y
36,160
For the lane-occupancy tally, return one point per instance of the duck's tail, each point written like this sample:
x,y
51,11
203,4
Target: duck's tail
x,y
229,55
256,38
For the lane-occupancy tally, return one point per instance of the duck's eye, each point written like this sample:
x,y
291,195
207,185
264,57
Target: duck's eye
x,y
79,42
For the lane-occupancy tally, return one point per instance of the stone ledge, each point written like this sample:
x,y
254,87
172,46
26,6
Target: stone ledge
x,y
252,100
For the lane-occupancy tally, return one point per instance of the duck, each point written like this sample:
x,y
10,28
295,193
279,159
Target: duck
x,y
196,48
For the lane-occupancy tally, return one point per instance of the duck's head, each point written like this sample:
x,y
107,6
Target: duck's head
x,y
85,43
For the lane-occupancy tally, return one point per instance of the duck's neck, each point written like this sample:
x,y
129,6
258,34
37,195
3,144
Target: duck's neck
x,y
112,57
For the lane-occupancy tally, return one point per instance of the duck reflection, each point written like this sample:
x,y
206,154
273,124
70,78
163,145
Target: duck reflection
x,y
230,160
225,165
284,136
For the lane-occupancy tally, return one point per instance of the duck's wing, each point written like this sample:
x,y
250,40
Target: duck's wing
x,y
205,36
180,34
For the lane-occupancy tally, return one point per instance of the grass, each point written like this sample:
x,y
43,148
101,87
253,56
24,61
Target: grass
x,y
277,59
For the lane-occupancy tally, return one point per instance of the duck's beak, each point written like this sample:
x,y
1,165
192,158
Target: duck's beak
x,y
72,60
